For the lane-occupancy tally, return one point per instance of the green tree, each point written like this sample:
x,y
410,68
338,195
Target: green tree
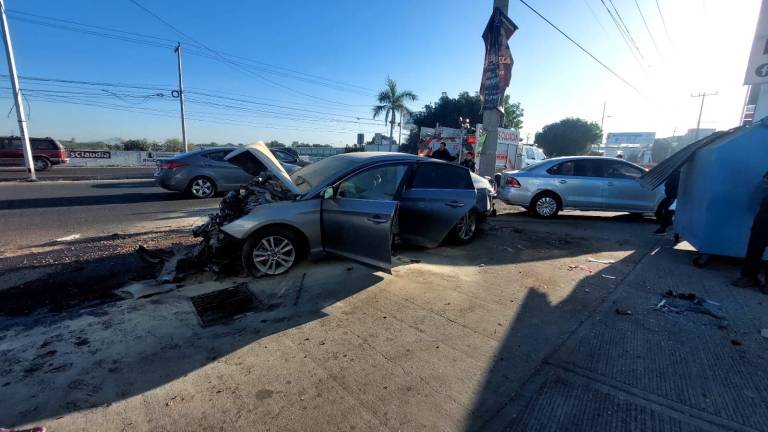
x,y
411,144
172,145
447,111
570,136
136,145
392,102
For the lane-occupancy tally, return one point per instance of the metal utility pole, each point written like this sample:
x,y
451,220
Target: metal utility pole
x,y
181,100
703,96
602,131
26,149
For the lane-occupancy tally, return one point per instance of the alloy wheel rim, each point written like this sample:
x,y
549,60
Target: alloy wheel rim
x,y
202,188
274,255
466,226
546,206
39,165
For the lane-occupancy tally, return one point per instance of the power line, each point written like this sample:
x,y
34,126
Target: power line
x,y
158,42
225,60
584,49
648,29
626,29
621,32
663,22
594,16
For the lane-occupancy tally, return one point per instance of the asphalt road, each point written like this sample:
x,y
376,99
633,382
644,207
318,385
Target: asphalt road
x,y
34,214
78,173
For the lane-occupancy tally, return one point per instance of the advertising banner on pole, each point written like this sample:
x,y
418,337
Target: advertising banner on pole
x,y
497,69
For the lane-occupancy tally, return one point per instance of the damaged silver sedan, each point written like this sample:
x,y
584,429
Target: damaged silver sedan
x,y
353,205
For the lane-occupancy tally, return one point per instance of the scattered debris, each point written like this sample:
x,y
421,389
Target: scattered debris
x,y
601,261
481,265
215,252
68,238
608,276
656,250
579,267
148,288
764,333
623,311
509,248
736,342
672,301
587,290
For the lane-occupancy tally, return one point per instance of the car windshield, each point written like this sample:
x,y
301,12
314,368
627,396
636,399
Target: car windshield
x,y
312,175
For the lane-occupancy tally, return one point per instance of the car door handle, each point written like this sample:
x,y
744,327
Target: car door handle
x,y
376,219
562,181
455,204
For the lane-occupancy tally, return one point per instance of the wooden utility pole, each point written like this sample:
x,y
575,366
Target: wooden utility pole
x,y
703,96
491,122
181,100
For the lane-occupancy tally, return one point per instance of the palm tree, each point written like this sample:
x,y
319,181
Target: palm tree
x,y
392,102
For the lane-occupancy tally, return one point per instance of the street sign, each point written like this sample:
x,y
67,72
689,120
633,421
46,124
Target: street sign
x,y
757,67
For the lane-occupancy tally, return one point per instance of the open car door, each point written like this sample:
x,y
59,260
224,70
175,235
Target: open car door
x,y
358,215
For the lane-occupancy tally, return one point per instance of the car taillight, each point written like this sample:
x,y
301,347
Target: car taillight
x,y
62,154
172,164
511,181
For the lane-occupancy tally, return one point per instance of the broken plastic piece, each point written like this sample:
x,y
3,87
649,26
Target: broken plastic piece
x,y
623,311
601,261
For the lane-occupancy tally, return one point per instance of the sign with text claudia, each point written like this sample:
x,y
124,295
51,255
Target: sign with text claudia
x,y
497,69
642,138
757,68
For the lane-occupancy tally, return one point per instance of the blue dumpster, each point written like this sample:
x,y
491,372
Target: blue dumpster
x,y
721,188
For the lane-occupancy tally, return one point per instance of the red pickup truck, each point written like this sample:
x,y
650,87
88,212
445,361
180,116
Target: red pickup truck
x,y
45,151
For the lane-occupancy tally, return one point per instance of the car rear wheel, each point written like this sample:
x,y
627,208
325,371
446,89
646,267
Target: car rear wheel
x,y
42,164
465,228
545,205
270,252
202,187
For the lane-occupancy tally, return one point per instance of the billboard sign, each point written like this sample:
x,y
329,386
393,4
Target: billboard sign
x,y
642,138
757,67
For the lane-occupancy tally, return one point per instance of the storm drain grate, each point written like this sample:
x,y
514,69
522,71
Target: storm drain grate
x,y
220,306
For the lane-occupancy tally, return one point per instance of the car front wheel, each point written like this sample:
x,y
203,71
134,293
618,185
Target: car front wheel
x,y
270,252
545,205
465,228
202,187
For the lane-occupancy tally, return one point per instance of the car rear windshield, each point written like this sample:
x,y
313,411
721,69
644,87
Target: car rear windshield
x,y
318,172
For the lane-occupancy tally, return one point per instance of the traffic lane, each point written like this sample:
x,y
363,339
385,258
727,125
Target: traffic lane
x,y
78,173
37,213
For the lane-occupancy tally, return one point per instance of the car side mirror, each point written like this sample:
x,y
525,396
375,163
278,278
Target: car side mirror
x,y
328,192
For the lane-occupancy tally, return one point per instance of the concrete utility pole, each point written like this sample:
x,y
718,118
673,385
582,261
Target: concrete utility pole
x,y
703,96
491,122
181,100
26,149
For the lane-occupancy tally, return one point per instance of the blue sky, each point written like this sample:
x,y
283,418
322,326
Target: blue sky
x,y
428,46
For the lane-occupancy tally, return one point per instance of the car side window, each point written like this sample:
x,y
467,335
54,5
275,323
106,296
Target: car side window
x,y
441,176
562,169
586,168
14,144
217,155
42,144
621,170
378,183
529,153
283,157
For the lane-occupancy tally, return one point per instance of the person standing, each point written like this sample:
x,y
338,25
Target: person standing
x,y
442,153
469,161
664,214
758,241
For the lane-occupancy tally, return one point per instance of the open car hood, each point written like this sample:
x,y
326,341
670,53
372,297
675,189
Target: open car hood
x,y
256,158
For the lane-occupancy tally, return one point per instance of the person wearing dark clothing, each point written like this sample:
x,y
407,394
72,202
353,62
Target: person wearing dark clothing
x,y
758,241
469,161
443,154
663,213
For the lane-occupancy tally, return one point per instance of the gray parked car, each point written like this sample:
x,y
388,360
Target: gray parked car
x,y
582,183
203,173
354,205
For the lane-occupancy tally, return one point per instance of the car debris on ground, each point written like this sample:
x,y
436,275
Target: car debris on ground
x,y
216,252
677,302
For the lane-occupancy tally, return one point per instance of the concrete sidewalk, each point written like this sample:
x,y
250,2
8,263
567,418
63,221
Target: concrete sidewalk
x,y
654,370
